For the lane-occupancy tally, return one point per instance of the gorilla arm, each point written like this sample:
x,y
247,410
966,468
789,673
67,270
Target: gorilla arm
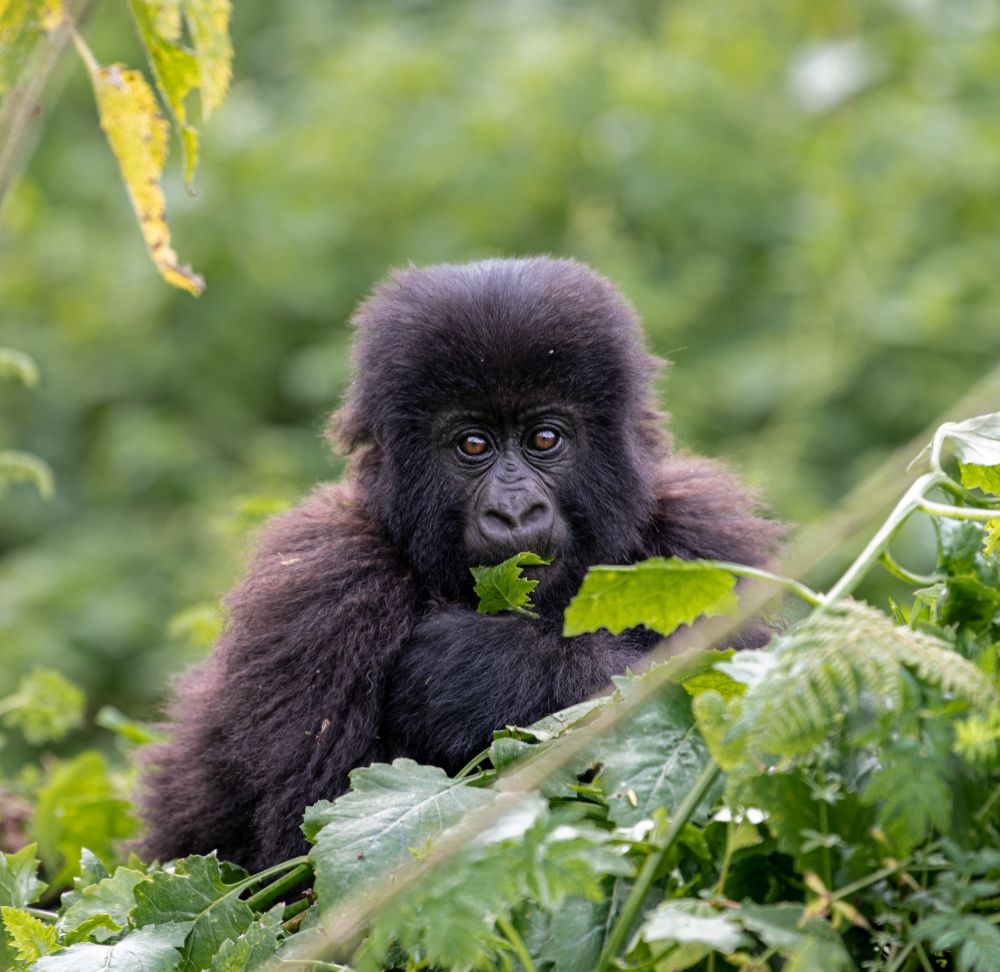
x,y
290,698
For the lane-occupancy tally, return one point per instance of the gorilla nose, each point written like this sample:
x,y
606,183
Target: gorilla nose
x,y
520,516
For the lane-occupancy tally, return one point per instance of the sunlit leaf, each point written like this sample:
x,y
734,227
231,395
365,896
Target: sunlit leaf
x,y
137,133
208,22
152,949
112,896
21,24
987,478
659,593
32,938
175,68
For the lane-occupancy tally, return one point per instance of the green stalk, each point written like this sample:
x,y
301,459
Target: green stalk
x,y
266,895
472,764
741,570
510,933
649,868
924,580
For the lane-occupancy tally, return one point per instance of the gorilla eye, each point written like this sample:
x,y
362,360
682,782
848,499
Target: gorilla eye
x,y
544,439
473,445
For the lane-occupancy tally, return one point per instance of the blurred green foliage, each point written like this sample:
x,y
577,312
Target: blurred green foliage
x,y
800,198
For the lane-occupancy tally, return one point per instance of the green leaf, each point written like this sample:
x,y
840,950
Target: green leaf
x,y
369,832
100,926
208,22
77,807
654,755
194,892
175,68
31,937
987,478
150,949
92,871
21,25
976,441
974,941
128,730
813,946
575,934
45,706
19,886
253,948
658,593
912,788
502,588
112,896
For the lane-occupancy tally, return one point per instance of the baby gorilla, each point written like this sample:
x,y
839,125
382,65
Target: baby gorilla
x,y
498,407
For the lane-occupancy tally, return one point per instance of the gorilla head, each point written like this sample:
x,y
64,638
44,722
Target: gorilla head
x,y
504,406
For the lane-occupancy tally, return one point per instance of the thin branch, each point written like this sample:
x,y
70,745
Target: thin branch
x,y
755,573
510,933
957,512
924,580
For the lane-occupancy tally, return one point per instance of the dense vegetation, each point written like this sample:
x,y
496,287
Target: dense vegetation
x,y
829,802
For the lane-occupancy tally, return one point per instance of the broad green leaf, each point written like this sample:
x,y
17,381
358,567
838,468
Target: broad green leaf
x,y
194,892
19,885
557,724
658,593
253,948
137,134
128,730
373,830
101,926
814,945
575,935
150,949
113,896
502,588
17,364
23,467
652,756
45,706
208,22
974,941
692,928
31,937
78,807
175,68
987,478
92,871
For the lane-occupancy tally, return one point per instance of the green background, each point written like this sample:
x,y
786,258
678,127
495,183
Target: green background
x,y
801,199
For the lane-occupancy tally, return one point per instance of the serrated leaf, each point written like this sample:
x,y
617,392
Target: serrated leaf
x,y
659,593
19,885
194,892
974,941
99,925
17,364
369,832
150,949
987,478
208,23
502,588
45,706
778,927
575,935
23,467
137,134
112,896
253,948
175,68
78,807
656,752
31,937
92,871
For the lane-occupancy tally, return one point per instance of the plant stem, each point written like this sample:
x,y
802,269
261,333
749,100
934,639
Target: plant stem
x,y
644,881
472,764
510,933
925,580
741,570
870,556
317,964
924,960
266,895
957,512
295,908
899,960
988,805
39,913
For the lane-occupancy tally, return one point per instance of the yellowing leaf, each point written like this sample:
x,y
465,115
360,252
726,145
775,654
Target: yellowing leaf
x,y
987,478
137,133
32,938
175,68
208,22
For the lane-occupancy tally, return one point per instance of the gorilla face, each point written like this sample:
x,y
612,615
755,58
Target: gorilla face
x,y
510,470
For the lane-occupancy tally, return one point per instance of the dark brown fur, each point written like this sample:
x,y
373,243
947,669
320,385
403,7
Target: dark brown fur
x,y
354,637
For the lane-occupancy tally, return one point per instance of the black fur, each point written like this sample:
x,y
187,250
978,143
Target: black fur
x,y
354,637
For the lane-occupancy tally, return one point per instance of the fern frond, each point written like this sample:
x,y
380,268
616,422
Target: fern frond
x,y
839,657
